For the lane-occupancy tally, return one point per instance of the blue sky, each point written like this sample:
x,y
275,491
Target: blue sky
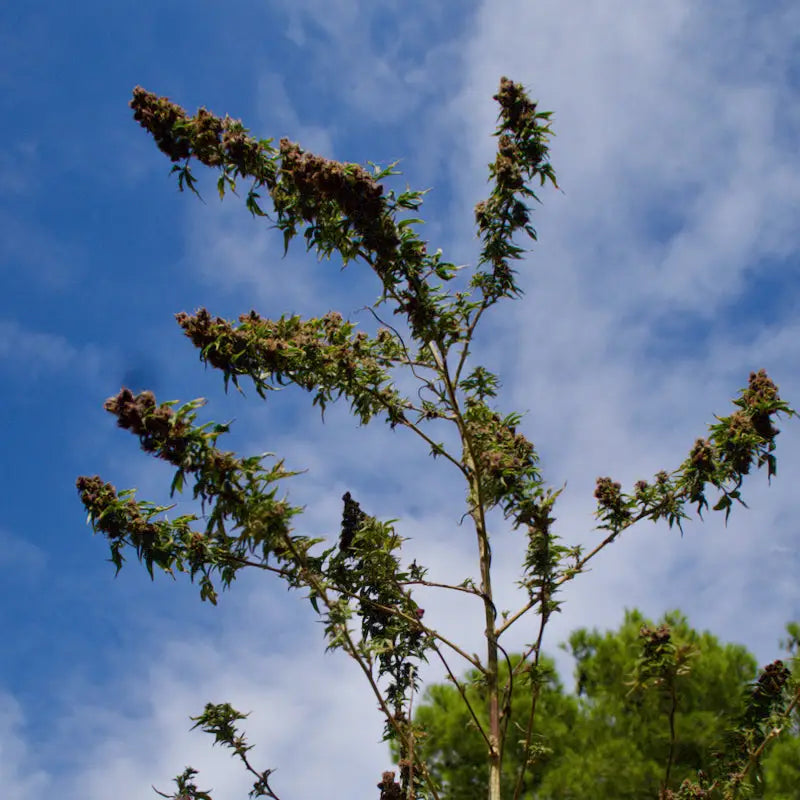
x,y
666,271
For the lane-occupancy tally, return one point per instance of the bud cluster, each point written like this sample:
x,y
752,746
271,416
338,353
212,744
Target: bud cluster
x,y
661,662
522,149
158,428
612,505
390,788
655,640
366,567
322,355
504,459
352,520
213,141
238,491
315,181
157,542
113,517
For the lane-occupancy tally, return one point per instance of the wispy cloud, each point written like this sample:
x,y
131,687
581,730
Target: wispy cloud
x,y
21,775
143,738
35,353
24,556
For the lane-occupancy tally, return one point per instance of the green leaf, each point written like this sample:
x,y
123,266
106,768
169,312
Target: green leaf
x,y
723,502
177,483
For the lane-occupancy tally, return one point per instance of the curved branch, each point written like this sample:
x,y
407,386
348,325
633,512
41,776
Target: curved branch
x,y
463,694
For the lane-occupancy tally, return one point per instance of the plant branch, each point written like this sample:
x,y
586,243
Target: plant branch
x,y
537,648
464,697
430,631
773,733
468,339
485,557
352,650
435,585
577,568
672,709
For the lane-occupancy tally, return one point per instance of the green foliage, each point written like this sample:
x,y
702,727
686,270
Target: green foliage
x,y
645,696
453,745
663,692
359,586
245,518
781,768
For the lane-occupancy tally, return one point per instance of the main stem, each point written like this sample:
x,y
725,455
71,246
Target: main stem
x,y
492,684
485,556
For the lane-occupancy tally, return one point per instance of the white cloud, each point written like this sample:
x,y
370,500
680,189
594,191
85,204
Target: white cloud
x,y
380,61
278,115
49,353
308,722
24,556
20,776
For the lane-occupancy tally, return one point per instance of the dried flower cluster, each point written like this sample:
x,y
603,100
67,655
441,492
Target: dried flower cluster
x,y
655,639
505,461
158,428
390,788
721,461
318,181
112,517
523,134
321,355
610,501
212,140
353,518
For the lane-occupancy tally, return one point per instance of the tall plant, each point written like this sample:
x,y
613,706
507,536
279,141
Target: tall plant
x,y
359,583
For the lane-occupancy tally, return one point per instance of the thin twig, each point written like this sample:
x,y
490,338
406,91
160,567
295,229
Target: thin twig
x,y
673,708
508,693
434,584
411,791
468,339
463,694
409,361
543,617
